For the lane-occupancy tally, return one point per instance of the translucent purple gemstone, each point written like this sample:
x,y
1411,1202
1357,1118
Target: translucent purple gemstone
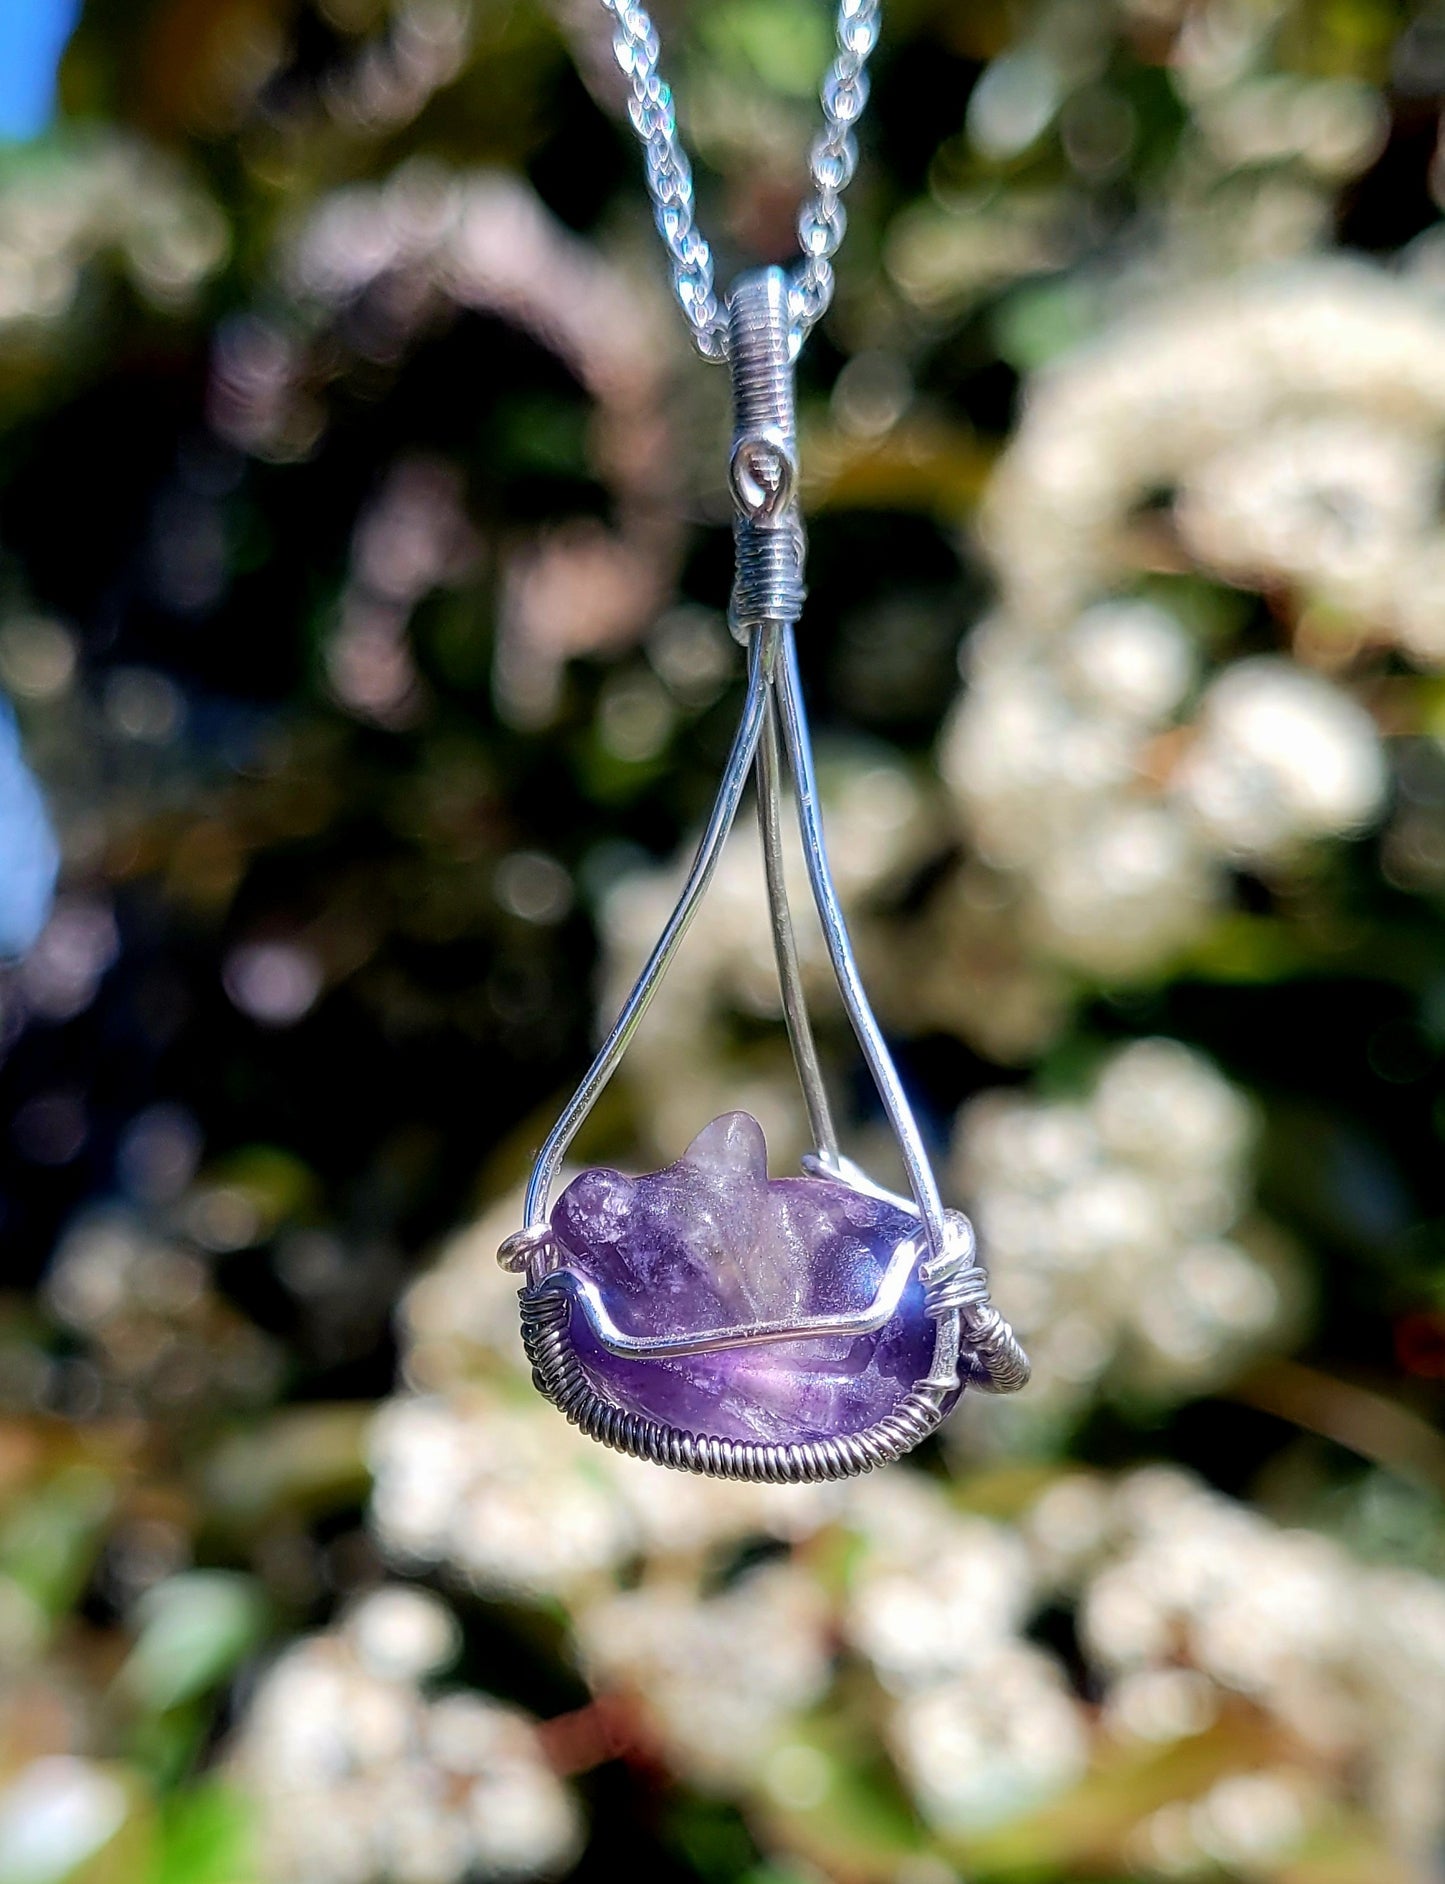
x,y
712,1242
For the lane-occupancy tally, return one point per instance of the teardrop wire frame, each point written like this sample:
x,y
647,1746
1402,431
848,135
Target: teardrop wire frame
x,y
955,1287
773,689
949,1267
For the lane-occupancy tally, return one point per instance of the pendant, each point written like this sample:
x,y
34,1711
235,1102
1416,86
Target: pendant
x,y
705,1316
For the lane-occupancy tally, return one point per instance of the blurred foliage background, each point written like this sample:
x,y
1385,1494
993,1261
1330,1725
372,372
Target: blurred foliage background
x,y
363,556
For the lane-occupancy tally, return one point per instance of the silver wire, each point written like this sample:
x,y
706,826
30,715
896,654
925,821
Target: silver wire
x,y
761,654
769,588
921,1180
790,981
845,1325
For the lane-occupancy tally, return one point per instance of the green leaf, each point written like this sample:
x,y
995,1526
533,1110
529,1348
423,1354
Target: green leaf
x,y
205,1838
48,1541
1040,320
194,1628
783,42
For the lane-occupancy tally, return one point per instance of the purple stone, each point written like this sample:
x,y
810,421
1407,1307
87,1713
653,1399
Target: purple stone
x,y
712,1243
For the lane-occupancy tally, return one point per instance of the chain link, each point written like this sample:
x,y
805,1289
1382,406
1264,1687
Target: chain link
x,y
832,161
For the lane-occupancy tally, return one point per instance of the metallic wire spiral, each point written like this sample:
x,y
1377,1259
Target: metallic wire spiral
x,y
559,1375
832,162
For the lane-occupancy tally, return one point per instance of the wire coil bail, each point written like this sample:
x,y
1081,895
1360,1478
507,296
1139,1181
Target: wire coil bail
x,y
768,533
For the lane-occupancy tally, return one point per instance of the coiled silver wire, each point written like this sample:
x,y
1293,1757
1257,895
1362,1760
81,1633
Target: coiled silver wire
x,y
559,1374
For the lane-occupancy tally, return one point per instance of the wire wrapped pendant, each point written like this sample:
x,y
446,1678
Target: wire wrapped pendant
x,y
706,1317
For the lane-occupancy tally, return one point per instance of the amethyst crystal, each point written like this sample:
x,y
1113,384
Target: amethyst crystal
x,y
712,1243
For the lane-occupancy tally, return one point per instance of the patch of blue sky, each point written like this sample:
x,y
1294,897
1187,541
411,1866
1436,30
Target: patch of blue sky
x,y
33,35
29,856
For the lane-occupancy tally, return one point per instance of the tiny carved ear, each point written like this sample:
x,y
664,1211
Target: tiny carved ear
x,y
733,1143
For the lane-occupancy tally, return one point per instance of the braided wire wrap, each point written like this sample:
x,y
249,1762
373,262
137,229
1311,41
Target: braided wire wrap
x,y
823,222
635,46
560,1376
832,162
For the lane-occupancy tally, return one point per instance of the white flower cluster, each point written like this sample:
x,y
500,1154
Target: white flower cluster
x,y
1073,773
1295,416
982,1723
474,1472
1294,423
1116,1225
1045,754
1113,1228
112,197
1187,1598
719,1677
1198,1620
359,1778
490,1483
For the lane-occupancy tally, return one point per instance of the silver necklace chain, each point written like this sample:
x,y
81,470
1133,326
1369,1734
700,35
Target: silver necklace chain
x,y
832,161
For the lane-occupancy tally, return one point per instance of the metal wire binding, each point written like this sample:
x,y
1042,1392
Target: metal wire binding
x,y
956,1282
832,162
559,1374
970,1335
956,1291
768,537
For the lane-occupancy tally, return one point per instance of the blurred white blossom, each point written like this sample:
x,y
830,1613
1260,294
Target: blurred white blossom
x,y
1116,1222
1191,1581
1282,757
360,1778
1294,417
1075,776
935,1592
497,1487
1282,431
1112,1226
990,1745
719,1676
106,197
